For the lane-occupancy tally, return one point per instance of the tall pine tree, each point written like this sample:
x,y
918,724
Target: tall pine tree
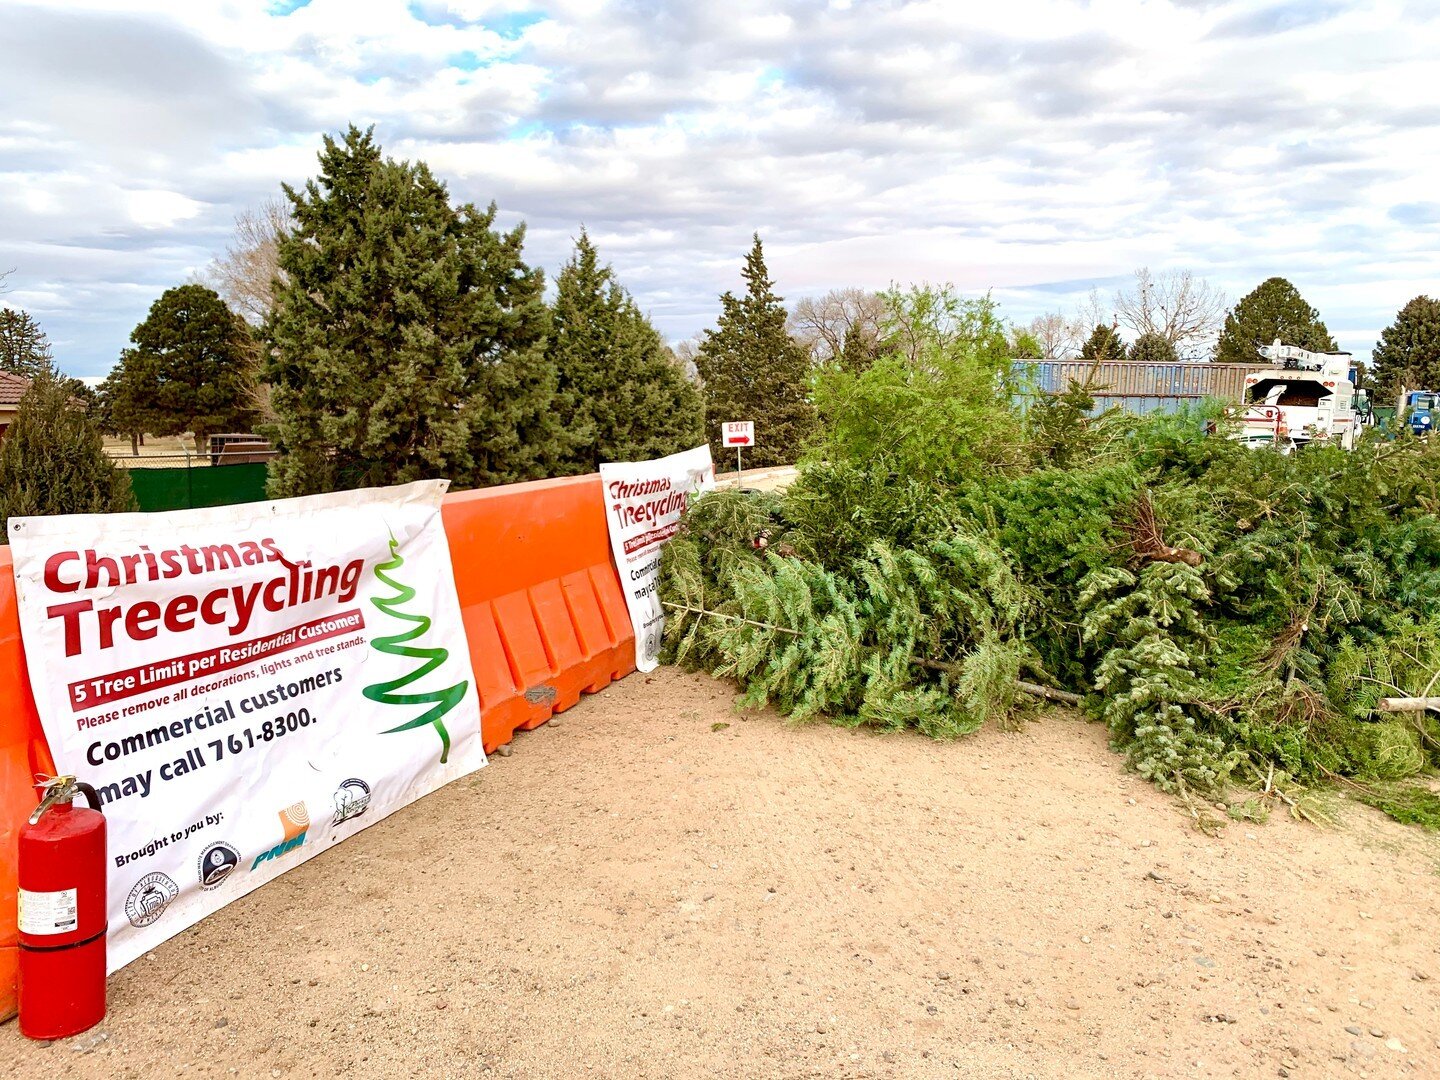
x,y
192,365
1275,309
407,338
126,398
1408,353
510,384
623,396
751,369
24,348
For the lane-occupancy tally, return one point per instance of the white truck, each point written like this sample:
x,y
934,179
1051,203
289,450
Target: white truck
x,y
1304,397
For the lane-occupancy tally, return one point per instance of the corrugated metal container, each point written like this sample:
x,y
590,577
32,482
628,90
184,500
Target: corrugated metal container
x,y
1127,379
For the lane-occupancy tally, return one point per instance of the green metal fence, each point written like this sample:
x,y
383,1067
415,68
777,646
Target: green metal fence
x,y
189,487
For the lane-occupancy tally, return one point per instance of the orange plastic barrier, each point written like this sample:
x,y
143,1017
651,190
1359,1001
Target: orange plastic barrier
x,y
23,753
544,612
544,615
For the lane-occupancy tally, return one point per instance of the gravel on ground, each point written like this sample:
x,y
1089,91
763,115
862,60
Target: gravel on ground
x,y
654,885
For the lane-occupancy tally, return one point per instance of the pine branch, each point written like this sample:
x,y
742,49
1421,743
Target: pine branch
x,y
1033,689
685,609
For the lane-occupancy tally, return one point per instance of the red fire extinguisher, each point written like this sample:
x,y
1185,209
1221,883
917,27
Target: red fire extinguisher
x,y
62,913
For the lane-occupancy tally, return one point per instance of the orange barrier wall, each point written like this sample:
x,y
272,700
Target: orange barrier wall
x,y
544,614
23,753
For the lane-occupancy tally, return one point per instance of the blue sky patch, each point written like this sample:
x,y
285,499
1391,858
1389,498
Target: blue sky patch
x,y
509,25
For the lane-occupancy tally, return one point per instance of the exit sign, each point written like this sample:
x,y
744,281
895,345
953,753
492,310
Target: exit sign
x,y
740,433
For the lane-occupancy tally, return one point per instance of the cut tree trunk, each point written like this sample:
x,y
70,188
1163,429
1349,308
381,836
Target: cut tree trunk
x,y
1409,704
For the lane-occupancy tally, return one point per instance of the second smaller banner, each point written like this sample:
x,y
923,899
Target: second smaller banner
x,y
644,501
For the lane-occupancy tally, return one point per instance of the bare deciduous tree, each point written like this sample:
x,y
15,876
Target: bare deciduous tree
x,y
822,323
1094,311
685,353
245,276
1057,335
1176,305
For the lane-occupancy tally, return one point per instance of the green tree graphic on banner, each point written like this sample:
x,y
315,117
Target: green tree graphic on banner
x,y
440,701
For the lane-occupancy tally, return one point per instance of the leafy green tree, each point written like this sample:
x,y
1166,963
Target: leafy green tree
x,y
1275,309
936,406
1024,345
751,369
1103,345
53,461
1408,353
192,365
406,338
24,349
1153,348
622,395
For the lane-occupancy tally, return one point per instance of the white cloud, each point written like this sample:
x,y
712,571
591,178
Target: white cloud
x,y
160,209
1035,147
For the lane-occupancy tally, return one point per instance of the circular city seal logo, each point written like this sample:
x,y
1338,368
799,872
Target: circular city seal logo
x,y
217,862
149,898
352,798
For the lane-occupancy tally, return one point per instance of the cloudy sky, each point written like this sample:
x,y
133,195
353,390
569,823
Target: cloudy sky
x,y
1035,149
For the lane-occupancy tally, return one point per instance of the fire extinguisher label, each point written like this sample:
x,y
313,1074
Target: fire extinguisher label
x,y
48,912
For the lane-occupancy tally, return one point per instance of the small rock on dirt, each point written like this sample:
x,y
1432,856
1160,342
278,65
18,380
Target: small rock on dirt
x,y
505,751
83,1044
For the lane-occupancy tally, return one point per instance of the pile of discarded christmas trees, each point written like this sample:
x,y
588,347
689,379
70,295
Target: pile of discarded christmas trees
x,y
958,550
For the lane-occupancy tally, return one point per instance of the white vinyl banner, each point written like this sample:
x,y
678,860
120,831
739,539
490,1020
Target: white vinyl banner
x,y
244,685
644,501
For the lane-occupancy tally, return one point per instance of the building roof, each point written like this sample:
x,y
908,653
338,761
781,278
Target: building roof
x,y
12,388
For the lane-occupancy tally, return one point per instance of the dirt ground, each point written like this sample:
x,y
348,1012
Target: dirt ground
x,y
641,891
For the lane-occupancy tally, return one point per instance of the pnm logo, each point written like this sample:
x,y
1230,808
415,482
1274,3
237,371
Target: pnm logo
x,y
294,820
352,798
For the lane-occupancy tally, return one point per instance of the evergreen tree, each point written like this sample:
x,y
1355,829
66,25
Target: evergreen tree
x,y
53,461
1275,309
859,352
1153,348
125,399
510,384
24,349
406,338
752,369
191,367
1408,353
1103,346
622,395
